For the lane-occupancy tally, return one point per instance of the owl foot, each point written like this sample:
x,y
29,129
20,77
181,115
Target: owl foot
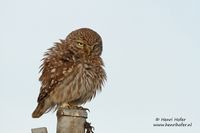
x,y
65,106
79,108
68,106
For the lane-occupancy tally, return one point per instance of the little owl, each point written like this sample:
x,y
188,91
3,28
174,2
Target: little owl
x,y
72,72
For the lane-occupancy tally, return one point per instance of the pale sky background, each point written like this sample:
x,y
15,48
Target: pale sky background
x,y
151,53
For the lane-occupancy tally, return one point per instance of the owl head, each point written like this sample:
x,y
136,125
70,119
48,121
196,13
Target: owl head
x,y
85,42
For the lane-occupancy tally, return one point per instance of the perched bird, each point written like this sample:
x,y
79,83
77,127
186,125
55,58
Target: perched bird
x,y
72,72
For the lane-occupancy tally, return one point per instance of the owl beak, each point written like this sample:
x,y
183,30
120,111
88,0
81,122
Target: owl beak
x,y
88,50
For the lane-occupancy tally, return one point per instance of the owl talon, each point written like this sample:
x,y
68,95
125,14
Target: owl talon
x,y
81,108
86,109
68,106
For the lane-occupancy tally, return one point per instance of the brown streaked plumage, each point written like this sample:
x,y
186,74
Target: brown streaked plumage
x,y
72,71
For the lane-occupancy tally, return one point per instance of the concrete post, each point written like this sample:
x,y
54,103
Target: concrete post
x,y
71,120
39,130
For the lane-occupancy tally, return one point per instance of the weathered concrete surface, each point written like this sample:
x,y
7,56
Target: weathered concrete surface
x,y
39,130
71,120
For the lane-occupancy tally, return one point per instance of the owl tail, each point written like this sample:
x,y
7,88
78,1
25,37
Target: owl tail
x,y
40,110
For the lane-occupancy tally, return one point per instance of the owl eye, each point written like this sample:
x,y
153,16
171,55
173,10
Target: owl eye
x,y
80,44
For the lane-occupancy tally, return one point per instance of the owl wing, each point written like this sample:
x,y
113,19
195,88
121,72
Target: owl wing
x,y
53,69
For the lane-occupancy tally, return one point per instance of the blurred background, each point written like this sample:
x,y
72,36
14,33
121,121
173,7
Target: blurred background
x,y
151,54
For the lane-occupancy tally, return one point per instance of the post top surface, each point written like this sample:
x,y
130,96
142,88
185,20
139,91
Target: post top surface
x,y
72,112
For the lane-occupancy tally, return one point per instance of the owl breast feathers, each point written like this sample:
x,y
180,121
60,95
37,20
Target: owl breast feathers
x,y
72,71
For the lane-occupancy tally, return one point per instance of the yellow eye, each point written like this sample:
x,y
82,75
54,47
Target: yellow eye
x,y
80,44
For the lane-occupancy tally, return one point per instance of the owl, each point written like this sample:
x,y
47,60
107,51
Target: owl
x,y
72,72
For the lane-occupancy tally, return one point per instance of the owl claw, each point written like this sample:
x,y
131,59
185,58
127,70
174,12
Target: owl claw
x,y
81,108
87,109
68,106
